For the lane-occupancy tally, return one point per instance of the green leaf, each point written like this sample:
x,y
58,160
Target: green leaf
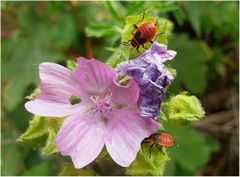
x,y
36,134
204,17
12,159
145,165
119,56
53,125
190,63
164,7
72,64
50,147
123,80
101,30
184,107
12,154
217,63
136,7
38,170
192,149
179,16
69,170
172,71
35,93
39,38
41,134
113,11
194,13
106,166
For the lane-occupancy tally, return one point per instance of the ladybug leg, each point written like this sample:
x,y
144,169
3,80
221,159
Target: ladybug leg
x,y
151,42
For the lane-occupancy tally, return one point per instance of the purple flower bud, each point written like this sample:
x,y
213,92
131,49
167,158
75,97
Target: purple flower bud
x,y
148,71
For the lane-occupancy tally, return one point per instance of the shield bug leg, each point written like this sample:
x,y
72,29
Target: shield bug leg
x,y
135,25
138,49
150,151
142,146
125,43
159,34
160,148
143,46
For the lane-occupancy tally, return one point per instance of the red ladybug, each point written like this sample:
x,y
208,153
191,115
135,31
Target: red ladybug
x,y
143,34
159,140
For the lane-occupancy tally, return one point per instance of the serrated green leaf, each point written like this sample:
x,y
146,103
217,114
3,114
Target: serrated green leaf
x,y
36,134
53,125
69,170
41,133
184,107
145,165
50,147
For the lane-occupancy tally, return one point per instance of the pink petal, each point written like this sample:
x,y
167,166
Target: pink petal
x,y
58,78
82,138
126,129
54,109
93,76
125,94
57,87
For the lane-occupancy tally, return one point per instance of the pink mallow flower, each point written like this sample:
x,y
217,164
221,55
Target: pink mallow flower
x,y
100,112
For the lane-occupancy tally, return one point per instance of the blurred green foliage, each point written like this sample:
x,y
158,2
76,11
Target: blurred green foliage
x,y
205,36
191,151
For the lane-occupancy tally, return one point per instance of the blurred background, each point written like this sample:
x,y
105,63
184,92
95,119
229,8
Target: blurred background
x,y
205,35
